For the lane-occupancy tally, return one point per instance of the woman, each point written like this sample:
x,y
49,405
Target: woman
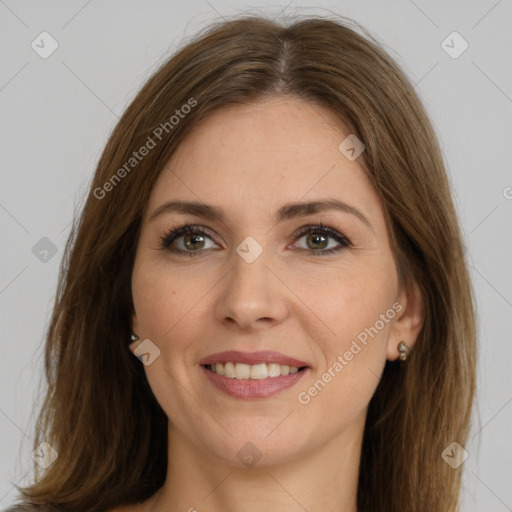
x,y
264,304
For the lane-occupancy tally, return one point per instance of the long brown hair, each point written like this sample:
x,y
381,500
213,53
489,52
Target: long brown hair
x,y
99,413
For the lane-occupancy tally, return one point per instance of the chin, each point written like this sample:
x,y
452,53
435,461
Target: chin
x,y
258,446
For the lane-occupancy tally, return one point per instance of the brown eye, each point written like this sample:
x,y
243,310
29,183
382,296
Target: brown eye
x,y
193,241
187,239
317,240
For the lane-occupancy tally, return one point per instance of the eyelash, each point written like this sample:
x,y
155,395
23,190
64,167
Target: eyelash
x,y
176,232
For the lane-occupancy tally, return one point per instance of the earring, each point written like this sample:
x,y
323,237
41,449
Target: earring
x,y
134,337
404,351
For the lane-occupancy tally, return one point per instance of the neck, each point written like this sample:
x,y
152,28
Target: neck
x,y
326,478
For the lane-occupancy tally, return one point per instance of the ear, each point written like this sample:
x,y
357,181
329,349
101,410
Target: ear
x,y
408,322
134,324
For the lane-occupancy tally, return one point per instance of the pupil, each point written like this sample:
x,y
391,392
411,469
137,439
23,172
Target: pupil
x,y
316,238
193,238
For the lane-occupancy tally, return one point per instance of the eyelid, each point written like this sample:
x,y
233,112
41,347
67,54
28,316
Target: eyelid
x,y
175,232
328,230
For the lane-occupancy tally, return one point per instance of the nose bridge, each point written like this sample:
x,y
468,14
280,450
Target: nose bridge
x,y
250,272
250,292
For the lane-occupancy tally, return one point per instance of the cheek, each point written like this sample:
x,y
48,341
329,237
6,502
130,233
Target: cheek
x,y
172,310
160,299
357,313
350,299
355,357
163,305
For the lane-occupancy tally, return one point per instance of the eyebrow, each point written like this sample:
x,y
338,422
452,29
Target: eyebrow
x,y
286,212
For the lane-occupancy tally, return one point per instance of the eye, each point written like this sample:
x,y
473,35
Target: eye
x,y
317,237
191,239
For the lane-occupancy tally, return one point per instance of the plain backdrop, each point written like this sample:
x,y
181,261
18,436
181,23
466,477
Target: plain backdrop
x,y
57,112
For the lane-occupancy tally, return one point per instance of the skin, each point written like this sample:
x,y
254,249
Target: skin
x,y
250,161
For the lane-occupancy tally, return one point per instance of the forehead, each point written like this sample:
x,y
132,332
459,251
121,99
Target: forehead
x,y
251,159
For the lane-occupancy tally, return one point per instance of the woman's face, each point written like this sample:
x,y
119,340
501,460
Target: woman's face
x,y
256,280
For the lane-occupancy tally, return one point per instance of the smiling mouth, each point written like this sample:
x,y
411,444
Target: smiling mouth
x,y
242,371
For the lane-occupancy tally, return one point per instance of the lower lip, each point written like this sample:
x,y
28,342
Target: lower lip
x,y
253,388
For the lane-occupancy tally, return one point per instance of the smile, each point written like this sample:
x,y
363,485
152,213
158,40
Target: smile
x,y
242,371
244,386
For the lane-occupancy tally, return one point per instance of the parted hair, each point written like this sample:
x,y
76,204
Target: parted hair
x,y
99,412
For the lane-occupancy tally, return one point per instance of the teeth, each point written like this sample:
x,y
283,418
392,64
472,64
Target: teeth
x,y
243,371
274,370
229,370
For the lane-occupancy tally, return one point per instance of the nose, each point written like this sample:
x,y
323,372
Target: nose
x,y
253,297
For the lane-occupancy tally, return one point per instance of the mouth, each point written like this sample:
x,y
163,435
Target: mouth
x,y
260,371
237,357
252,375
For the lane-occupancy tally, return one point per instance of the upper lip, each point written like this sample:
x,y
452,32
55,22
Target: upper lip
x,y
263,356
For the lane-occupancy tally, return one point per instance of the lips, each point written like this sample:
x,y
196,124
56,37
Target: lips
x,y
253,389
252,358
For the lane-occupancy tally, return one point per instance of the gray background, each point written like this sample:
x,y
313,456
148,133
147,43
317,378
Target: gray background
x,y
57,114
